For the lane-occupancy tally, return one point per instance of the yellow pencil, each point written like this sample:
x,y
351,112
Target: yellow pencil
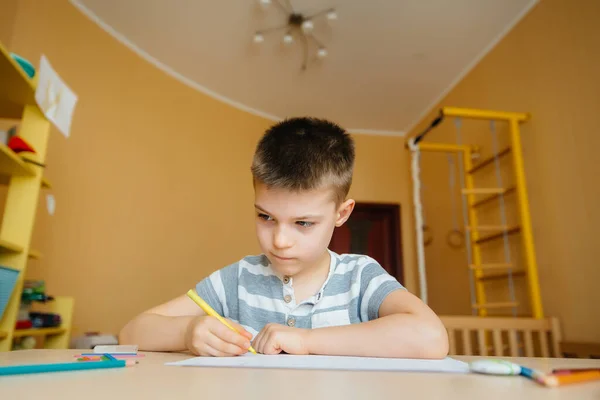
x,y
209,311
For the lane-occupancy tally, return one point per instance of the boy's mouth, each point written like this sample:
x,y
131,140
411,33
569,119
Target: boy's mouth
x,y
282,258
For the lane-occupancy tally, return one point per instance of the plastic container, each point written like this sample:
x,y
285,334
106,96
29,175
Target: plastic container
x,y
8,280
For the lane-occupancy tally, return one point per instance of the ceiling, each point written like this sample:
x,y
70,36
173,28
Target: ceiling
x,y
388,63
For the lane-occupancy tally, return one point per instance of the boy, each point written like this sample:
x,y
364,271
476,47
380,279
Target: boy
x,y
298,297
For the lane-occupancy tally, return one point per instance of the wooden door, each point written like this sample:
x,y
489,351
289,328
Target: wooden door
x,y
373,230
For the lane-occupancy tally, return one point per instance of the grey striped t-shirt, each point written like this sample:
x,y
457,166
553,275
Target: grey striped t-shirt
x,y
250,293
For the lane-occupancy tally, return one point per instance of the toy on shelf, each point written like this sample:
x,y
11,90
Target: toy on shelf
x,y
35,291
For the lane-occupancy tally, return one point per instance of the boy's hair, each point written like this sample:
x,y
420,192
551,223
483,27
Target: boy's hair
x,y
303,154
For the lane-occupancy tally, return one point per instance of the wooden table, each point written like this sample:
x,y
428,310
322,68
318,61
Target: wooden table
x,y
151,379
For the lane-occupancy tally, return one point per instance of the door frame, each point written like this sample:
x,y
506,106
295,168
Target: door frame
x,y
396,234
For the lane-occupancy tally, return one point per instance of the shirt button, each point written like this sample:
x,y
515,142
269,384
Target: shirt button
x,y
286,279
291,322
287,298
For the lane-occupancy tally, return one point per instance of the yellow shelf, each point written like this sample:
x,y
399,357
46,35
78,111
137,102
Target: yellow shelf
x,y
38,332
4,180
34,254
24,181
16,89
8,247
3,334
11,164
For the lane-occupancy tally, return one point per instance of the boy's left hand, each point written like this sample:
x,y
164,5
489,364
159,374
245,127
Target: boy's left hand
x,y
275,338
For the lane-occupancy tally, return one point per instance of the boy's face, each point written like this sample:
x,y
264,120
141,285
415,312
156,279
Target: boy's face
x,y
295,228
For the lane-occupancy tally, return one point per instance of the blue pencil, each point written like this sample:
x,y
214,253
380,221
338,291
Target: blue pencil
x,y
60,367
534,375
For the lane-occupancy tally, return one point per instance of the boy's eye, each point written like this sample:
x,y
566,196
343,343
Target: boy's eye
x,y
265,217
305,224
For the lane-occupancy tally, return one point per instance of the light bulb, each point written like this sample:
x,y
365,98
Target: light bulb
x,y
265,3
322,52
258,38
307,26
288,38
332,15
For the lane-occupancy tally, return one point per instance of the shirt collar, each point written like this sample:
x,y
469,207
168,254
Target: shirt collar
x,y
332,265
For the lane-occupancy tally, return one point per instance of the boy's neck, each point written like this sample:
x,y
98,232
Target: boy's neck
x,y
309,281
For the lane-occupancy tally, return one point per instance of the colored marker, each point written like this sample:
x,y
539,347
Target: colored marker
x,y
494,367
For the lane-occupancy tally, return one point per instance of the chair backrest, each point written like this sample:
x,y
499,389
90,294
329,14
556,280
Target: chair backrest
x,y
503,336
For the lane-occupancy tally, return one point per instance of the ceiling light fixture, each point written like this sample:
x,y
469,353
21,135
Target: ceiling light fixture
x,y
298,25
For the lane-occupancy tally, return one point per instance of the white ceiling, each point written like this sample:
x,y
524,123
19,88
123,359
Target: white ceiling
x,y
389,61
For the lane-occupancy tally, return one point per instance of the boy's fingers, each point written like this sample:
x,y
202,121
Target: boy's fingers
x,y
240,329
229,336
222,347
258,341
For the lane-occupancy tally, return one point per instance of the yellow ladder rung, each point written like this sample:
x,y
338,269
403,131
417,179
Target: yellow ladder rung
x,y
501,275
510,231
488,161
488,228
491,266
484,191
507,304
493,197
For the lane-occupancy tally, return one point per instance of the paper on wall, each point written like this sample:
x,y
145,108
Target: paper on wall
x,y
328,363
54,97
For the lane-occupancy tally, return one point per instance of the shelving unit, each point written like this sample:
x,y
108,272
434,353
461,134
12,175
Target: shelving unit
x,y
24,181
38,332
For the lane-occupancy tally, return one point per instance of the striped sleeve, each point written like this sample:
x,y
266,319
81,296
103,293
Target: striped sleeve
x,y
219,288
375,285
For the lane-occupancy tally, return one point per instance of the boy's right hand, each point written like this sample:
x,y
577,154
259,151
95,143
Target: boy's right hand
x,y
207,336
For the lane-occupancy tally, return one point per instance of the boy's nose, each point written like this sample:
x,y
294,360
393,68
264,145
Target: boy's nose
x,y
281,240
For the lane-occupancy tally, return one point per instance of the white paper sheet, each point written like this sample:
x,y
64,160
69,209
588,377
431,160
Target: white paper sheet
x,y
327,362
54,97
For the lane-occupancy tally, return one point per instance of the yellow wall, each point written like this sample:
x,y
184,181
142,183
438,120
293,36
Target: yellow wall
x,y
8,13
153,188
548,65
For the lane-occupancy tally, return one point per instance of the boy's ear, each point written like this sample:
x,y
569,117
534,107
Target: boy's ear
x,y
344,211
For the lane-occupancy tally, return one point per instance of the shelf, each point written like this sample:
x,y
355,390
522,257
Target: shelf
x,y
510,231
11,164
34,254
16,89
8,247
490,160
3,335
38,332
494,196
4,180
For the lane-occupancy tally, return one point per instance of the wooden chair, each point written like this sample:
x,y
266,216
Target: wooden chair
x,y
503,336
